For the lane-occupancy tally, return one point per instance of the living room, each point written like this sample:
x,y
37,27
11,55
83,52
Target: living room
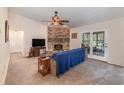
x,y
26,24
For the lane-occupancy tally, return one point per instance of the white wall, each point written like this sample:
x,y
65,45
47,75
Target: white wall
x,y
4,47
115,30
75,43
32,29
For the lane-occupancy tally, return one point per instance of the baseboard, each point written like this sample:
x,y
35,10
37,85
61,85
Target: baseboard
x,y
108,63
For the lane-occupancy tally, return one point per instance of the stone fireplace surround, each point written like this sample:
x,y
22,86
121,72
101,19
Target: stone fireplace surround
x,y
58,37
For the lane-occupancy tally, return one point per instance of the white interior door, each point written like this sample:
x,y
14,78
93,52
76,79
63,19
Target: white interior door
x,y
16,41
96,44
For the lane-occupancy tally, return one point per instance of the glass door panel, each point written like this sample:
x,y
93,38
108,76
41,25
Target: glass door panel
x,y
86,41
98,43
95,44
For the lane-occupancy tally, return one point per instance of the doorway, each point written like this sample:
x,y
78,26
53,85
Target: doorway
x,y
95,43
16,41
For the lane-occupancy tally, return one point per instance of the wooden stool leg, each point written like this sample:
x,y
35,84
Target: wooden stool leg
x,y
49,66
39,63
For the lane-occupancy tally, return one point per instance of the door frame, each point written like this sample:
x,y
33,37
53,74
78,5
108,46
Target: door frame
x,y
106,42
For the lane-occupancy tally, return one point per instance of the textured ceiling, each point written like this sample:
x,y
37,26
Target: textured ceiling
x,y
76,15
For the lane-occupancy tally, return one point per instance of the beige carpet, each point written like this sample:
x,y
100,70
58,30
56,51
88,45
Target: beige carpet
x,y
24,71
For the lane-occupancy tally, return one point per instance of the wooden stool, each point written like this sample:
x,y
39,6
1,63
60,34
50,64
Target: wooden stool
x,y
44,65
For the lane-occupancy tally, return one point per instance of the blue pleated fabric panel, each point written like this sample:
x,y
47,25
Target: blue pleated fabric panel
x,y
68,59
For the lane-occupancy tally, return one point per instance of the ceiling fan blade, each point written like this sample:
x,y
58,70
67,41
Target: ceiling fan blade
x,y
64,21
45,21
61,24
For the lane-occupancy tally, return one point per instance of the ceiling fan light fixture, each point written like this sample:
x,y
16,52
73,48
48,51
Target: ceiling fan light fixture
x,y
55,19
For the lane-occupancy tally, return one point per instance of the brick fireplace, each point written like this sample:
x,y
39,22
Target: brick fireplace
x,y
58,37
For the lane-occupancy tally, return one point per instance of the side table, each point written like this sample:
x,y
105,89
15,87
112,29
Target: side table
x,y
44,65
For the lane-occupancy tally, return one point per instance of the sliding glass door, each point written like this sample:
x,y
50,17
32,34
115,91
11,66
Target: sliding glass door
x,y
94,43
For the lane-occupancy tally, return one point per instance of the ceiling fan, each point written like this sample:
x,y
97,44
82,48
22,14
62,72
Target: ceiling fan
x,y
56,20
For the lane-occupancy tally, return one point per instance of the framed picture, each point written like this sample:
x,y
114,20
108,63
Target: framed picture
x,y
6,31
74,35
